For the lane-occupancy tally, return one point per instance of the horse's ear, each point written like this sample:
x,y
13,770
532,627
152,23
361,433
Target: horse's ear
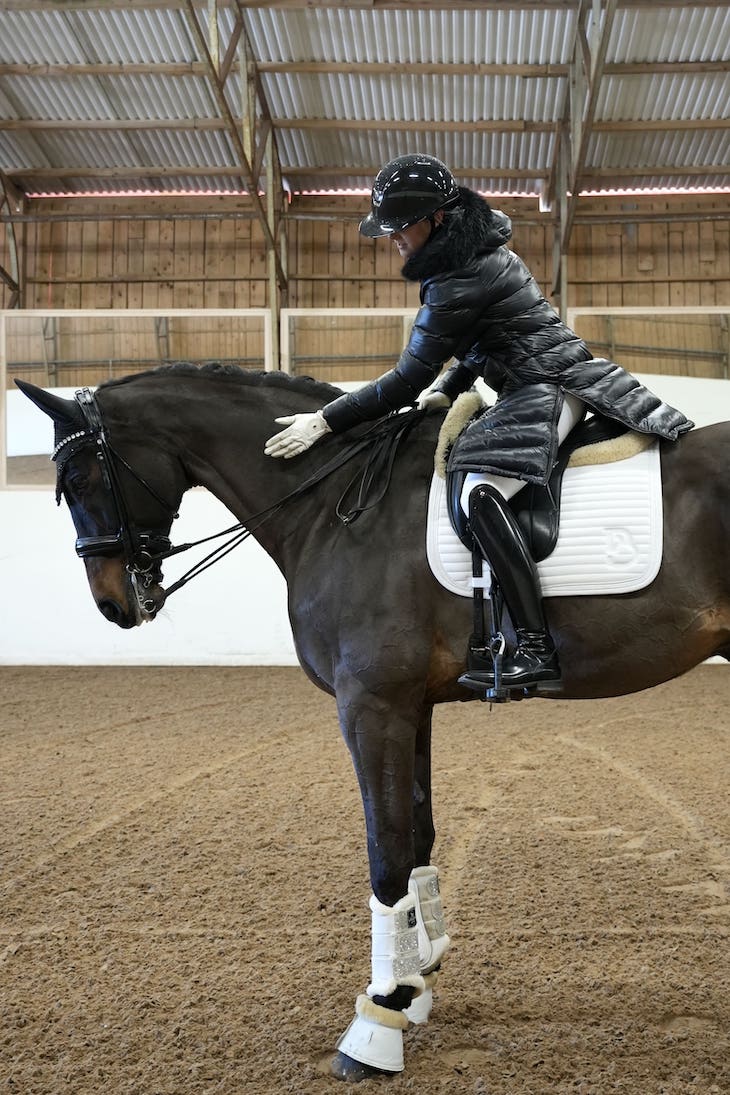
x,y
64,412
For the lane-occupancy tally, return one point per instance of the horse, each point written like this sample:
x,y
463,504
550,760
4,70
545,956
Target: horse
x,y
371,625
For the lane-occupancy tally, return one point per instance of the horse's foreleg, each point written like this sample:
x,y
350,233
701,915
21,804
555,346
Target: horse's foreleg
x,y
423,883
423,827
433,942
392,758
381,732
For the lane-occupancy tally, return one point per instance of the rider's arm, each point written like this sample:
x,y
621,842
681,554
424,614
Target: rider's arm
x,y
440,327
458,378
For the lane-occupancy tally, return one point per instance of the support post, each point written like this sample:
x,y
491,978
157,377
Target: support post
x,y
13,198
593,30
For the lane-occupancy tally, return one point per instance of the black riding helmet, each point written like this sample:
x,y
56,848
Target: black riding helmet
x,y
405,191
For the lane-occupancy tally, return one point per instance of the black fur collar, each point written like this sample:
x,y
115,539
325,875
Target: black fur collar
x,y
472,228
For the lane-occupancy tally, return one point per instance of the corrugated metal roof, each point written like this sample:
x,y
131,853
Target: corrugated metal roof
x,y
489,151
408,97
663,96
352,35
657,33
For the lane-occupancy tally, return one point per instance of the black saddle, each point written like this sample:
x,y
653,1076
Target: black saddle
x,y
536,506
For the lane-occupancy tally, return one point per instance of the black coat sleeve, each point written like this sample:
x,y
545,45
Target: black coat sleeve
x,y
458,378
440,330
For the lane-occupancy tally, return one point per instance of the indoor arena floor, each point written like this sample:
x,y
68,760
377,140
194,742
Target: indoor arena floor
x,y
184,886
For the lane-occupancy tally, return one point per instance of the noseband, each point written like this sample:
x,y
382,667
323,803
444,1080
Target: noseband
x,y
142,549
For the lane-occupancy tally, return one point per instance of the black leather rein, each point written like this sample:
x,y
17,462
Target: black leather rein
x,y
145,549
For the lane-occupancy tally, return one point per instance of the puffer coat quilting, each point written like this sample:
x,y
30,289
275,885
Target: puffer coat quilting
x,y
481,305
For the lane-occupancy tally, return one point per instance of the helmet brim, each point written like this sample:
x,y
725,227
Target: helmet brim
x,y
372,228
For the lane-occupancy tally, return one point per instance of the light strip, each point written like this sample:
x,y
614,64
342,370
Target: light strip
x,y
365,192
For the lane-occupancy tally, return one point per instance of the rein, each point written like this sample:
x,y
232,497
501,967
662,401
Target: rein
x,y
388,432
143,561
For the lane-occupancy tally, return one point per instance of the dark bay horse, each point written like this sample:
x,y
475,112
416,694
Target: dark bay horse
x,y
371,624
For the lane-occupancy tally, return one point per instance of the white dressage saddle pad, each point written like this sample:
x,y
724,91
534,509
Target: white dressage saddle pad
x,y
610,537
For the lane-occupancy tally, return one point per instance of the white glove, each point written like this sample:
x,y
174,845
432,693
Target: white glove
x,y
430,402
302,430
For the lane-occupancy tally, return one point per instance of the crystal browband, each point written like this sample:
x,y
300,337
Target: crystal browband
x,y
67,441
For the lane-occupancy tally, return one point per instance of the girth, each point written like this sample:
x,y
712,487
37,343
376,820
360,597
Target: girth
x,y
537,505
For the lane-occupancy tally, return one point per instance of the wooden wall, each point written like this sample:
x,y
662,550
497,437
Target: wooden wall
x,y
165,255
69,351
687,345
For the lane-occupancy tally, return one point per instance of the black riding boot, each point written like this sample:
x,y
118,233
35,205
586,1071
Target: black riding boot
x,y
501,542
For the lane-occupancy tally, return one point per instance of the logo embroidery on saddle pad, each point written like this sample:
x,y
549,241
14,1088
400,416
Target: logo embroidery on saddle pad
x,y
610,537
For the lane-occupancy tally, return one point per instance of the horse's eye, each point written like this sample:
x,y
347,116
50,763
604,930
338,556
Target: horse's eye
x,y
77,481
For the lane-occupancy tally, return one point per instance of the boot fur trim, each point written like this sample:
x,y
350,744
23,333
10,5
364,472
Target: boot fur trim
x,y
430,979
385,988
376,1013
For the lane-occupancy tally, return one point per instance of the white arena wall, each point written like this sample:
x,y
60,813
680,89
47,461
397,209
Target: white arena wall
x,y
233,614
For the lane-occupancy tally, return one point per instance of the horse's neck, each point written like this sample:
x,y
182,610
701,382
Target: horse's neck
x,y
221,442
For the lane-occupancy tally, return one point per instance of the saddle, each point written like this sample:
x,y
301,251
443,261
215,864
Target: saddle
x,y
537,506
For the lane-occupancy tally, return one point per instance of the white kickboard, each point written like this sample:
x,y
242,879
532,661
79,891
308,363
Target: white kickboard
x,y
610,537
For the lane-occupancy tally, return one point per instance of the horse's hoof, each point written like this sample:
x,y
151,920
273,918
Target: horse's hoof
x,y
354,1072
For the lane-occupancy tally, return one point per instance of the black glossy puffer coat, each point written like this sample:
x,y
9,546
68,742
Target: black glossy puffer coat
x,y
481,305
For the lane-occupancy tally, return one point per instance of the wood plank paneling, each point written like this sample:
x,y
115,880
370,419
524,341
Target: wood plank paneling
x,y
161,256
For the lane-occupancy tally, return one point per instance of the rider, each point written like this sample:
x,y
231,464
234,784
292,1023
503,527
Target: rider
x,y
481,305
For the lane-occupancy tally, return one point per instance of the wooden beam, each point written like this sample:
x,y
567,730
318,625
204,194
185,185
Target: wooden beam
x,y
12,198
135,171
232,48
191,124
489,5
371,170
8,280
506,125
621,216
679,170
593,57
661,125
267,152
413,68
174,70
337,171
89,124
232,128
11,193
670,68
363,5
433,68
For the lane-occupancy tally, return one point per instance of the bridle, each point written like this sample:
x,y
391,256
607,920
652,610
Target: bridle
x,y
143,550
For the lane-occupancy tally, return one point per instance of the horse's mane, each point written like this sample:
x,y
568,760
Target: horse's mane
x,y
254,377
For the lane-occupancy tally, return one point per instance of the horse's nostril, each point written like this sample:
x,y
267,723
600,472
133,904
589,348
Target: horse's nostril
x,y
112,611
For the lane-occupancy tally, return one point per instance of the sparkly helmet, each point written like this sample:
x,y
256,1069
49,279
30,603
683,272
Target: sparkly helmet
x,y
405,191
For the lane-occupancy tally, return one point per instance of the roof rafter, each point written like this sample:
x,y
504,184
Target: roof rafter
x,y
364,5
506,125
585,86
364,68
232,84
138,171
